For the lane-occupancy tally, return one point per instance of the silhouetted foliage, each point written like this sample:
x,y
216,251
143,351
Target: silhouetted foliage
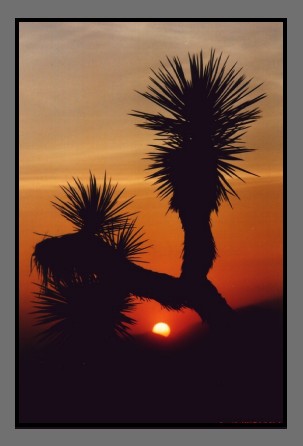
x,y
207,116
200,128
77,286
83,312
127,241
93,209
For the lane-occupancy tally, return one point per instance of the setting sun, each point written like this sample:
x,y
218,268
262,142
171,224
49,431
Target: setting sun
x,y
162,329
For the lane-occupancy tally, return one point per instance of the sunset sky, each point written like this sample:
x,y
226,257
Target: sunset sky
x,y
77,88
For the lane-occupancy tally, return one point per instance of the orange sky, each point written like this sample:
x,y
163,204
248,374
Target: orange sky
x,y
77,83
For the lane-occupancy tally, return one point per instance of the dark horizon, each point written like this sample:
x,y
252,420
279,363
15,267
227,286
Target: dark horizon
x,y
205,380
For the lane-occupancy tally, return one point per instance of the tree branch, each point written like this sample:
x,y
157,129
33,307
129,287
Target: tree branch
x,y
175,293
60,257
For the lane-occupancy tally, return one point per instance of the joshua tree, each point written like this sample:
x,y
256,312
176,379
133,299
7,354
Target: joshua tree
x,y
76,298
200,132
200,138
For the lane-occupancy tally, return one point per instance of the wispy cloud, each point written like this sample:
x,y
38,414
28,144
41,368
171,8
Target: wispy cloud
x,y
77,83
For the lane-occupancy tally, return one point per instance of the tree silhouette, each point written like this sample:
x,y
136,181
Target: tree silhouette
x,y
205,117
76,300
92,274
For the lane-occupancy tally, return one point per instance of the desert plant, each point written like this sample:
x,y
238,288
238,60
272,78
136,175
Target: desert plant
x,y
78,291
91,272
200,129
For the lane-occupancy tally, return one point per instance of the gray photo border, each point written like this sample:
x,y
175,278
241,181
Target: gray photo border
x,y
134,9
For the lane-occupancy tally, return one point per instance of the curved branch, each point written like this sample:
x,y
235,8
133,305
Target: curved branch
x,y
176,293
60,257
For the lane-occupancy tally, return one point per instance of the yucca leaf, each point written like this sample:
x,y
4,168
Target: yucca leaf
x,y
92,208
128,241
82,313
205,117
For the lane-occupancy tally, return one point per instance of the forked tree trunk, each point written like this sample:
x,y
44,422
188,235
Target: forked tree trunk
x,y
171,292
60,257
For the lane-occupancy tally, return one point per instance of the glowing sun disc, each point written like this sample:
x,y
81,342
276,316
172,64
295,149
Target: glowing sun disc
x,y
162,329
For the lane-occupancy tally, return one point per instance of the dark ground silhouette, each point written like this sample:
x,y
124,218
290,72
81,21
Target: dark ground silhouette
x,y
236,377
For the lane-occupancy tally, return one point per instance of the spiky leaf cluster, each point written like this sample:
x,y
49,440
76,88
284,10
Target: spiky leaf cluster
x,y
78,288
128,241
93,209
84,314
203,119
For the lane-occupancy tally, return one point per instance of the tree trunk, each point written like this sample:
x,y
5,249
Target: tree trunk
x,y
199,251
